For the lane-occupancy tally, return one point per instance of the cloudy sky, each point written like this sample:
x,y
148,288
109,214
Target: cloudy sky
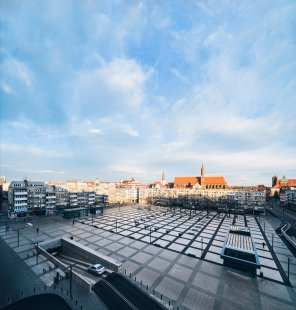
x,y
118,89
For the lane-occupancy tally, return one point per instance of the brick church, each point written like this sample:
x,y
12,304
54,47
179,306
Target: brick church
x,y
201,182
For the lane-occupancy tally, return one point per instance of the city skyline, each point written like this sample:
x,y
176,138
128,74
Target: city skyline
x,y
117,89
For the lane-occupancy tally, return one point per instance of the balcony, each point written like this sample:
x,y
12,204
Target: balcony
x,y
20,193
20,199
23,204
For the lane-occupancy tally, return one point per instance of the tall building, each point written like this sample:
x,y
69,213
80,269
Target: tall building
x,y
200,182
24,196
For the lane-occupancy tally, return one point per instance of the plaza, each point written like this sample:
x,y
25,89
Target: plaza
x,y
174,256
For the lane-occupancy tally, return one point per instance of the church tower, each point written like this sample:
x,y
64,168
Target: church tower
x,y
274,180
163,181
202,176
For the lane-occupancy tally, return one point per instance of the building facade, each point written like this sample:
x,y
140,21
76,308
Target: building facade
x,y
288,198
281,184
200,182
27,197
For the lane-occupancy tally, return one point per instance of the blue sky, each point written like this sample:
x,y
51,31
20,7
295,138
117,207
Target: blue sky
x,y
118,89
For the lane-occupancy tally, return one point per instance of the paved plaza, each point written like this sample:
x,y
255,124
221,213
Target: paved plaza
x,y
174,257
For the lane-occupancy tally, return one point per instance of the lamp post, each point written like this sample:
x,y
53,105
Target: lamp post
x,y
70,284
201,245
37,249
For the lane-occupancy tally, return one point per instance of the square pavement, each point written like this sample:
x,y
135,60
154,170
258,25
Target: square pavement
x,y
191,282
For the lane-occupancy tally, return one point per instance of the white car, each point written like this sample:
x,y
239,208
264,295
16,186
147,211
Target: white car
x,y
96,269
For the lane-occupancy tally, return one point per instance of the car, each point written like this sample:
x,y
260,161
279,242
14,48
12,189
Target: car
x,y
96,269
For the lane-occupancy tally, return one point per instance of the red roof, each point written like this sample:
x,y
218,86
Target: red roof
x,y
291,182
214,180
277,185
183,181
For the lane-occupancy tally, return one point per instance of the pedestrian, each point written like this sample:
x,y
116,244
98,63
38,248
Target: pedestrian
x,y
37,230
263,244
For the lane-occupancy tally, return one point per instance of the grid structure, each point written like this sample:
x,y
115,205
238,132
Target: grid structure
x,y
240,242
197,234
187,282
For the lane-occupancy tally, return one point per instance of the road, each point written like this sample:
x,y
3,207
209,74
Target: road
x,y
81,268
286,215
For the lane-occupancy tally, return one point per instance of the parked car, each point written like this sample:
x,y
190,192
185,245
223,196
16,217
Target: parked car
x,y
96,269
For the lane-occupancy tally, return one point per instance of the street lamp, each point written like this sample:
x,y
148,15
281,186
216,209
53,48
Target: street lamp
x,y
70,267
37,249
150,233
18,236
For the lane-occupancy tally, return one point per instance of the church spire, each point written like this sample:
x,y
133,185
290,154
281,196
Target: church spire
x,y
163,181
202,176
202,170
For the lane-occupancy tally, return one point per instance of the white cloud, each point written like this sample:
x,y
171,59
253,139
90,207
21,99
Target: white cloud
x,y
179,75
128,169
45,171
95,131
5,87
30,150
128,130
17,69
111,88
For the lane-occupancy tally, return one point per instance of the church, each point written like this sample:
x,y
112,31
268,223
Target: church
x,y
201,182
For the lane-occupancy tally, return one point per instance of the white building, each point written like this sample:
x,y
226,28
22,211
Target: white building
x,y
288,198
24,196
247,198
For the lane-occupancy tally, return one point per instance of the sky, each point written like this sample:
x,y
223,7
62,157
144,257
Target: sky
x,y
120,89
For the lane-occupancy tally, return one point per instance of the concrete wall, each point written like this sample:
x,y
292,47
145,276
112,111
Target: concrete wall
x,y
57,242
77,250
284,231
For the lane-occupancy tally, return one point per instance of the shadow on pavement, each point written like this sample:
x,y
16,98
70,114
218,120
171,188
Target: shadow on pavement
x,y
42,301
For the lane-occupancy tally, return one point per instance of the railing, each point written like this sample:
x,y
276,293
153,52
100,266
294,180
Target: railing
x,y
284,230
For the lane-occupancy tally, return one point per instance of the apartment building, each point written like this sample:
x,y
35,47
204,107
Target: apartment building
x,y
288,198
247,198
25,196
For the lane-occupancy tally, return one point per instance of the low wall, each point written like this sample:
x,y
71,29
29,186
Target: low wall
x,y
77,250
55,243
284,230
